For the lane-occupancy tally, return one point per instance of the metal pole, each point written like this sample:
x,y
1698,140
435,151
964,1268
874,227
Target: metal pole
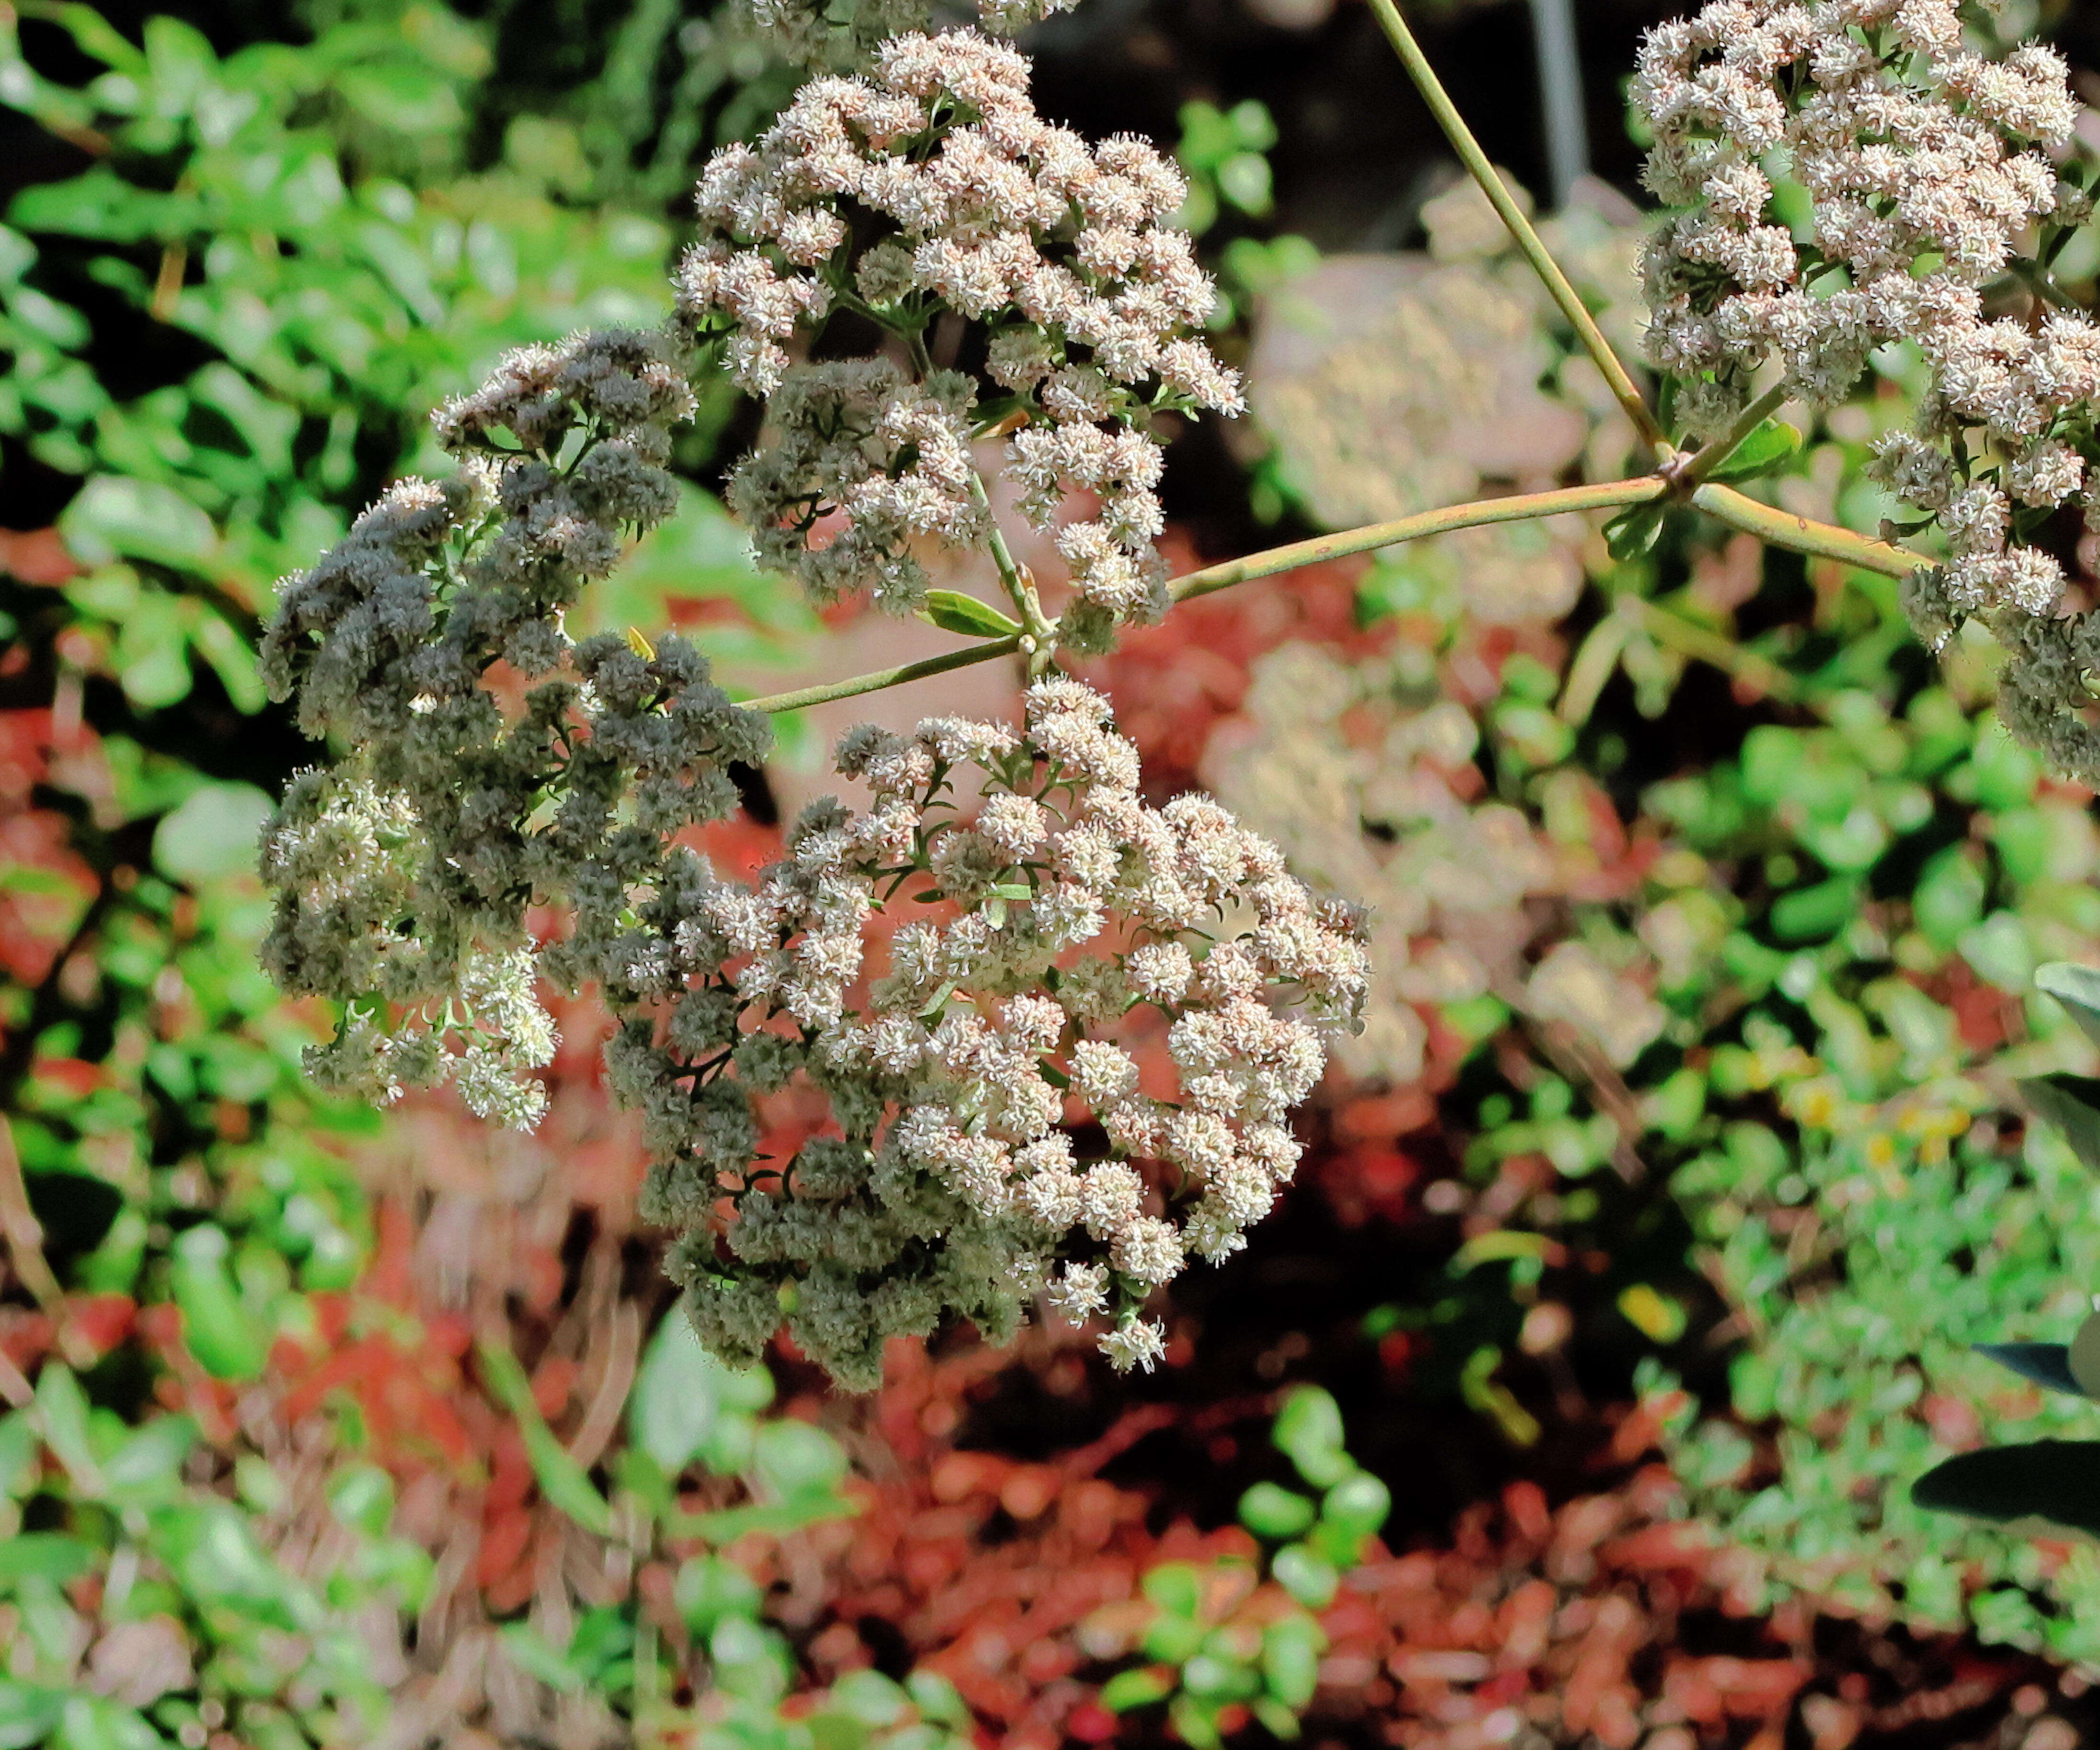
x,y
1560,94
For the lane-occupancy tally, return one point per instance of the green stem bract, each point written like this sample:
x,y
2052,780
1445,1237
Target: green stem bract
x,y
1521,228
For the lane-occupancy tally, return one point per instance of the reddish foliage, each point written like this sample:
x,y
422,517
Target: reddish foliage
x,y
1173,683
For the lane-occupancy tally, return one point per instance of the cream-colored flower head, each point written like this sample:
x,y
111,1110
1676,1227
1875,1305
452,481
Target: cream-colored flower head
x,y
932,185
1031,953
1922,178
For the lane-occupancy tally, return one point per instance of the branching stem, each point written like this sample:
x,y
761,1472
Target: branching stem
x,y
1779,528
1693,469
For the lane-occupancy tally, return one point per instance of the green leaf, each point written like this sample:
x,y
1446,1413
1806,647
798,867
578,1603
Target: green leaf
x,y
684,1400
1216,1679
1358,1504
1275,1513
1633,532
51,1556
564,1481
62,1407
1177,1587
29,1713
938,1699
1279,1721
870,1698
217,1325
114,516
1309,1431
1770,447
531,1654
151,1458
1137,1689
1291,1659
92,1723
1195,1722
796,1460
2055,1481
953,611
2077,988
213,834
711,1587
1169,1640
1308,1576
2072,1105
18,1446
213,1554
361,1497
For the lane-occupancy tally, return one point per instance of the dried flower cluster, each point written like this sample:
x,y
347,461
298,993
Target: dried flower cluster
x,y
1925,174
932,185
1030,950
404,871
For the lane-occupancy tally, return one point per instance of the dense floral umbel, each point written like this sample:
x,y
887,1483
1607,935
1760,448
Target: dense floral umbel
x,y
1925,177
403,870
1030,950
932,185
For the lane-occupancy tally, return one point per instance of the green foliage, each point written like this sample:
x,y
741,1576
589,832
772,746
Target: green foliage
x,y
220,335
1767,450
194,1612
1217,1640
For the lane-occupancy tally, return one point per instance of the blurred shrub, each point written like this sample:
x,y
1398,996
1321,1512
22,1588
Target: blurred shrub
x,y
1226,1643
1718,884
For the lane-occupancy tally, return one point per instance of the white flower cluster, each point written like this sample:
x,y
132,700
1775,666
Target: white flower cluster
x,y
1000,1134
1926,170
404,871
997,1128
932,185
1919,160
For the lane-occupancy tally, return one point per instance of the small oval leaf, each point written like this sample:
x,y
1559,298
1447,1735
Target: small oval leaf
x,y
1632,532
2077,988
1771,446
953,611
2072,1105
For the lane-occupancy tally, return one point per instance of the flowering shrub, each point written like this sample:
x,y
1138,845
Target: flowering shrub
x,y
1019,1024
1927,176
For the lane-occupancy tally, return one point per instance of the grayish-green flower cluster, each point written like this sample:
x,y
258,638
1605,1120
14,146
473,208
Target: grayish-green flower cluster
x,y
491,763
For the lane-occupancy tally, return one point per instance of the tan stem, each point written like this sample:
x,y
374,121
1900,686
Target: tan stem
x,y
775,702
1521,228
1518,507
1822,540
